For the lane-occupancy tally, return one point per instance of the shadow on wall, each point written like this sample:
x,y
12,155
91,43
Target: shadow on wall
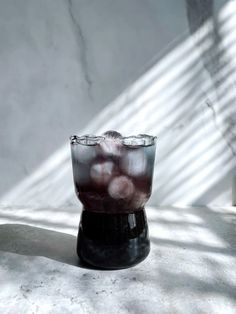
x,y
187,99
191,109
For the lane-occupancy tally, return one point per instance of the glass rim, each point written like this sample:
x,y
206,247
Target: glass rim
x,y
140,140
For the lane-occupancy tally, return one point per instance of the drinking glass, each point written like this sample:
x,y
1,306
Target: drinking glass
x,y
113,180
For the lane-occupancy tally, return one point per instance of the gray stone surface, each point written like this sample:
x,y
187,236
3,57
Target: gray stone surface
x,y
191,267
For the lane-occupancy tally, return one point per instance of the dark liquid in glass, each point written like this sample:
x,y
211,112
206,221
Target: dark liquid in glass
x,y
113,241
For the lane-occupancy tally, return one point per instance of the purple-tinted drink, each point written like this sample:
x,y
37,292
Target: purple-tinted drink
x,y
113,180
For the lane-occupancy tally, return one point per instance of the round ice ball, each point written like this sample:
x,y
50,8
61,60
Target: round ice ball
x,y
101,172
111,145
134,162
121,188
112,134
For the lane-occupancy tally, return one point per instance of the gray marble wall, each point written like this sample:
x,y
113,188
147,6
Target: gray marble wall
x,y
164,67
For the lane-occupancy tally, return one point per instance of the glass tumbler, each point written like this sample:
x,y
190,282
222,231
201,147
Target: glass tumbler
x,y
113,180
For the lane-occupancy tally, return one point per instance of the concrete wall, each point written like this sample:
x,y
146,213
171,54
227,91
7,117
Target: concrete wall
x,y
165,67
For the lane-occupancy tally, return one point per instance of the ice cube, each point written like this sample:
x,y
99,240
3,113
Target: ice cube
x,y
139,199
81,158
134,162
85,154
121,188
101,172
112,134
111,145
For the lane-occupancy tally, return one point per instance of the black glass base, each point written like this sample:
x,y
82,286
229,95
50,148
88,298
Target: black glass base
x,y
113,241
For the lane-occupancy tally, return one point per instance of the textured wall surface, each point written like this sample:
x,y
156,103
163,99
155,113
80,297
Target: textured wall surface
x,y
136,66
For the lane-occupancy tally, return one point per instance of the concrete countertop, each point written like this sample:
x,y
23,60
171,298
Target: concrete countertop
x,y
191,267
